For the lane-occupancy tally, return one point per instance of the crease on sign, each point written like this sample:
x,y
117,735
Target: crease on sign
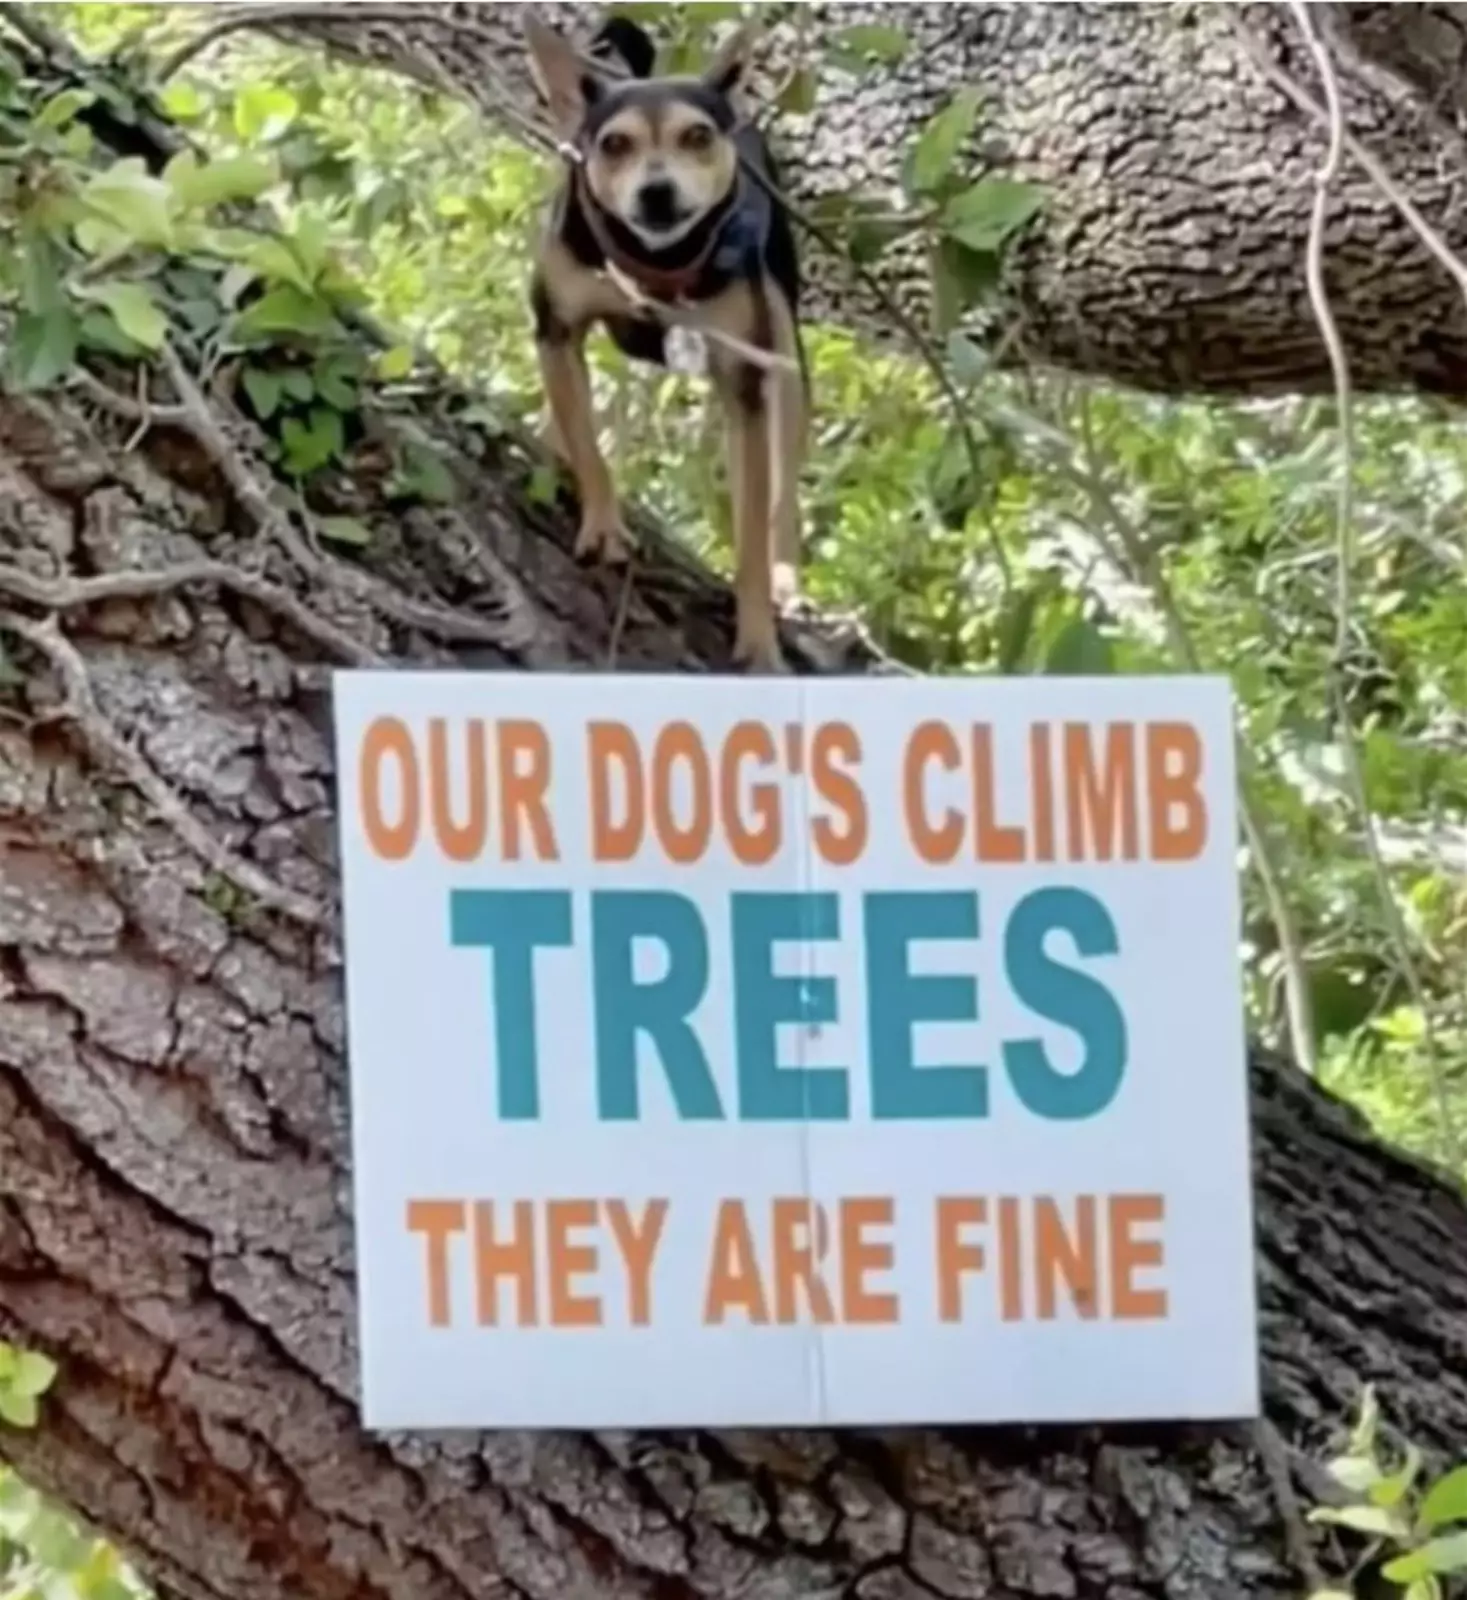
x,y
809,1027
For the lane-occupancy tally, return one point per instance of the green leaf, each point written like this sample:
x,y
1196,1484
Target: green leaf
x,y
273,258
312,443
1015,630
134,309
1391,1489
1445,1556
19,1410
1080,650
961,279
298,385
983,216
1374,1520
34,1374
952,480
336,383
233,284
99,331
868,42
284,309
422,475
61,108
43,348
937,147
1356,1473
1362,1438
543,485
264,389
42,272
869,236
1409,1568
969,362
112,1589
95,236
241,177
1331,1594
310,239
345,530
798,95
134,201
182,101
395,363
263,111
1445,1501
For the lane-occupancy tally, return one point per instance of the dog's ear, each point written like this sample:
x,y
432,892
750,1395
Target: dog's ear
x,y
724,74
562,77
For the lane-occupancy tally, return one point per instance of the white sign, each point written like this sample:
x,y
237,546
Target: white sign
x,y
848,1051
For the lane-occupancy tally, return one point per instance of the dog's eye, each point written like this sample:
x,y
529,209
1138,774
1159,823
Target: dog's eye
x,y
616,145
697,138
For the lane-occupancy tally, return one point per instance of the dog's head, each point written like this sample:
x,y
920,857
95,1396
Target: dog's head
x,y
659,153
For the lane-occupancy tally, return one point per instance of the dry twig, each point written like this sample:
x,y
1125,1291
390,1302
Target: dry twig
x,y
67,594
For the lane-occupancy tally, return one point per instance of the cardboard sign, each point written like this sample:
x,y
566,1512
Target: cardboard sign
x,y
742,1053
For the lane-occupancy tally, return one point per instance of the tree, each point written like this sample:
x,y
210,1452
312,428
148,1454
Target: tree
x,y
172,1096
1162,258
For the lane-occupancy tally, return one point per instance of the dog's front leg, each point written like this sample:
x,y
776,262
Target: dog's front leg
x,y
756,642
562,356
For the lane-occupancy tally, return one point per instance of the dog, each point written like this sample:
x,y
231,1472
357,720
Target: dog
x,y
664,197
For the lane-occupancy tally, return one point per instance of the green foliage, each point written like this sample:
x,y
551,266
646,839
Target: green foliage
x,y
45,1553
1418,1532
25,1375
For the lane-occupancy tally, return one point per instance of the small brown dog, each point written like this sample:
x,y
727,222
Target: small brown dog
x,y
659,206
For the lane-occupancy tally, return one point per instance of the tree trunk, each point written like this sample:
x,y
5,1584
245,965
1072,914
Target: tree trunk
x,y
174,1198
1179,176
173,1145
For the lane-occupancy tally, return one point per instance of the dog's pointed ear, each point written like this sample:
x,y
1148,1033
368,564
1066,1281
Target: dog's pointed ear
x,y
568,85
725,73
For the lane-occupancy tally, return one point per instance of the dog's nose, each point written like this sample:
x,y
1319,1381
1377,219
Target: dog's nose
x,y
657,202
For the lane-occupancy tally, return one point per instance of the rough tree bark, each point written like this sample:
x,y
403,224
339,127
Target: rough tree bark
x,y
174,1220
1170,251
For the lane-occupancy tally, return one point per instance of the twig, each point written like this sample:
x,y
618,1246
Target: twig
x,y
141,410
619,622
1274,1454
102,738
1345,555
66,594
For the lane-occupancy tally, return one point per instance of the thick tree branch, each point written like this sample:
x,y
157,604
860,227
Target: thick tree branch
x,y
1169,254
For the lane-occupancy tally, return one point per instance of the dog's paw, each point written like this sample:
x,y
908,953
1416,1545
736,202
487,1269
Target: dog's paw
x,y
603,539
